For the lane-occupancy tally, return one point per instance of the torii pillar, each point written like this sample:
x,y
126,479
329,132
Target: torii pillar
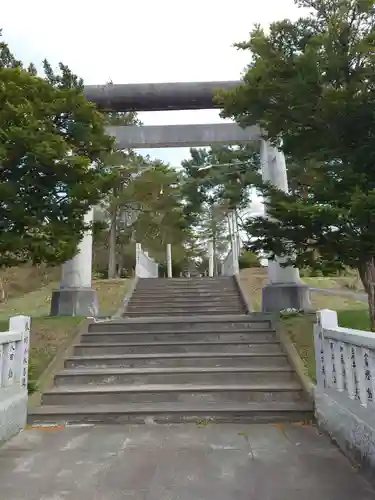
x,y
285,289
76,297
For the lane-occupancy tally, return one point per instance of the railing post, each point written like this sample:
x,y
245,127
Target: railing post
x,y
21,324
210,259
325,319
8,364
169,260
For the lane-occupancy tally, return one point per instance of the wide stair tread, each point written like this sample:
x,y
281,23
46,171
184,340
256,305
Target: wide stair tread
x,y
211,360
286,385
173,406
167,344
177,412
191,354
177,369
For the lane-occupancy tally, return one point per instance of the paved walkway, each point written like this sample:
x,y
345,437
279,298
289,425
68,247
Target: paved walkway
x,y
177,462
361,297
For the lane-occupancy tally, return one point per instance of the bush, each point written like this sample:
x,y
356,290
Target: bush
x,y
248,259
326,271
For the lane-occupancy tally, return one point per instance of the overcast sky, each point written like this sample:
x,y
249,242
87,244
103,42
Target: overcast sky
x,y
139,41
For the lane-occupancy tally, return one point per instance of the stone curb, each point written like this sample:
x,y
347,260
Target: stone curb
x,y
296,361
46,378
121,311
242,294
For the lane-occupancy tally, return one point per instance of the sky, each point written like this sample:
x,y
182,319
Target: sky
x,y
141,41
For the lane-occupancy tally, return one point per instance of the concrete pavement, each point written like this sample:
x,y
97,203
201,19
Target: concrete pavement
x,y
177,462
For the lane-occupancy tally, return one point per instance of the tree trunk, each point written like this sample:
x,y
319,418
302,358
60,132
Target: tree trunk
x,y
112,247
367,274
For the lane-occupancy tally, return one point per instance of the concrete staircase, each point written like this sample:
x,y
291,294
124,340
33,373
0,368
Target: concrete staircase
x,y
180,355
185,297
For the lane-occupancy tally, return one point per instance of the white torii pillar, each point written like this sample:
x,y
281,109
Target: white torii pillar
x,y
284,290
75,296
169,260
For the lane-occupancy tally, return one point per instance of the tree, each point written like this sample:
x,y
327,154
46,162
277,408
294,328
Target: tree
x,y
222,175
161,220
143,205
248,260
218,180
52,144
312,82
123,167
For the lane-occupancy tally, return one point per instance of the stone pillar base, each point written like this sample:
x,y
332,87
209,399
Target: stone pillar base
x,y
74,302
279,296
13,411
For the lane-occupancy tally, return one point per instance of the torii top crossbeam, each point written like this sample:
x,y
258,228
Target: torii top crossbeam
x,y
156,96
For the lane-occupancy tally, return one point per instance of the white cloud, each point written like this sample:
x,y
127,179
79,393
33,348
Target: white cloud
x,y
141,41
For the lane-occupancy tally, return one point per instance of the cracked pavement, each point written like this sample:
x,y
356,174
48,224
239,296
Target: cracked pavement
x,y
178,462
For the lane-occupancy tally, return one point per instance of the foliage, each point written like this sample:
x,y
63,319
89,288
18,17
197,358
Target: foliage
x,y
143,205
215,181
157,195
220,175
248,259
313,83
52,142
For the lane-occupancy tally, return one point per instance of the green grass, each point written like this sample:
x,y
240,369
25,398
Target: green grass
x,y
357,319
351,313
335,282
299,328
49,334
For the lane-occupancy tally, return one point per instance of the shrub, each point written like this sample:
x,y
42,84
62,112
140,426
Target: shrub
x,y
248,259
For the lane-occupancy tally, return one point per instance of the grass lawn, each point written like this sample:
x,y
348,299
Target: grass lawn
x,y
49,334
339,283
300,331
351,313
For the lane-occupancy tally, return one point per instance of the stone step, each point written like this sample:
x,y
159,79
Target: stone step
x,y
186,283
286,391
175,375
200,307
195,279
182,310
196,359
177,324
182,296
251,412
182,336
193,301
94,349
184,289
152,313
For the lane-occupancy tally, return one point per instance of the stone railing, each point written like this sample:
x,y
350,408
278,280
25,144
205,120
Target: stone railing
x,y
345,390
345,359
14,360
145,267
230,266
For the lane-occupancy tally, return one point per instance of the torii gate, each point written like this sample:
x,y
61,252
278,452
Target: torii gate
x,y
76,296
